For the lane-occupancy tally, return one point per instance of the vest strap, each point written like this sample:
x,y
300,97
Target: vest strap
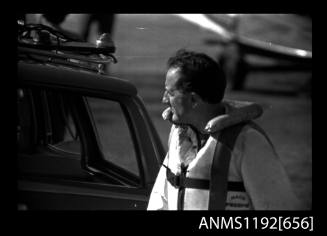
x,y
178,182
220,167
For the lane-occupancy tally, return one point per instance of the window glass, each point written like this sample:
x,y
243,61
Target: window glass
x,y
26,127
64,134
114,133
44,119
47,139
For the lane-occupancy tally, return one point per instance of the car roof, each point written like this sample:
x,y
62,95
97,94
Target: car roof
x,y
59,76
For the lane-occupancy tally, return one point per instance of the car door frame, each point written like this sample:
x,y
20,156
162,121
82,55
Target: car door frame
x,y
142,136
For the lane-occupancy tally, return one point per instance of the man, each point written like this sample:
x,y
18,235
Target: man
x,y
218,159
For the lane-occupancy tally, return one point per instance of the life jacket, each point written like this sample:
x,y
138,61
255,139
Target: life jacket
x,y
203,182
211,176
217,184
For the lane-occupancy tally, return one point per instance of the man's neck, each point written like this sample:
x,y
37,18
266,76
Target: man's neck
x,y
205,115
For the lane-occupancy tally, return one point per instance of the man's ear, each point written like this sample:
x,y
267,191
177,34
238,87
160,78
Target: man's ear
x,y
195,99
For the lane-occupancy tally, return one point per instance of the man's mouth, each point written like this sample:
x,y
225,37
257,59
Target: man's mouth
x,y
167,114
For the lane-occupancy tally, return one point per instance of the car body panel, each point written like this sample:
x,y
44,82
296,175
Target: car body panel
x,y
49,180
72,79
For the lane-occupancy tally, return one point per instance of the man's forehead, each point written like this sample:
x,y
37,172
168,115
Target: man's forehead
x,y
174,71
172,77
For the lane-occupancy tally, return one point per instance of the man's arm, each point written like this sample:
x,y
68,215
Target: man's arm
x,y
264,176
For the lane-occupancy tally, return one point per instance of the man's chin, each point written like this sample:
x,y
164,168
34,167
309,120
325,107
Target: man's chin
x,y
176,121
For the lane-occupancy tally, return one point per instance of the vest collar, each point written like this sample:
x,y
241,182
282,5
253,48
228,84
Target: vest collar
x,y
236,112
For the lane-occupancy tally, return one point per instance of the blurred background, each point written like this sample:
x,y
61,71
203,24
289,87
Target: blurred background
x,y
144,42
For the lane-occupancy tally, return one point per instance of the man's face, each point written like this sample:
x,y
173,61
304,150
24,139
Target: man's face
x,y
179,102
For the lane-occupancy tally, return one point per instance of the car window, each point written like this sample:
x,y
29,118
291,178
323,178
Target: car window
x,y
45,121
26,122
63,129
114,134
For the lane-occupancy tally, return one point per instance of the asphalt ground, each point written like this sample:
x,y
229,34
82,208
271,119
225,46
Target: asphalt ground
x,y
144,43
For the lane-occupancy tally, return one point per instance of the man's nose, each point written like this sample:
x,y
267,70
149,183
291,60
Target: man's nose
x,y
165,99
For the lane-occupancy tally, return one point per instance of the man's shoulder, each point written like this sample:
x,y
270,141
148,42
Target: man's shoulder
x,y
239,133
253,129
246,130
254,135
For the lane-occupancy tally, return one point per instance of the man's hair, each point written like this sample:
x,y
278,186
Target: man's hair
x,y
202,75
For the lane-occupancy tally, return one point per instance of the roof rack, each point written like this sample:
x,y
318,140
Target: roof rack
x,y
45,44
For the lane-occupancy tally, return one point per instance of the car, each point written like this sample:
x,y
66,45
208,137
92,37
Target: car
x,y
85,140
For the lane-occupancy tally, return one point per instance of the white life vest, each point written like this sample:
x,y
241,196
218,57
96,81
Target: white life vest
x,y
195,194
255,177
